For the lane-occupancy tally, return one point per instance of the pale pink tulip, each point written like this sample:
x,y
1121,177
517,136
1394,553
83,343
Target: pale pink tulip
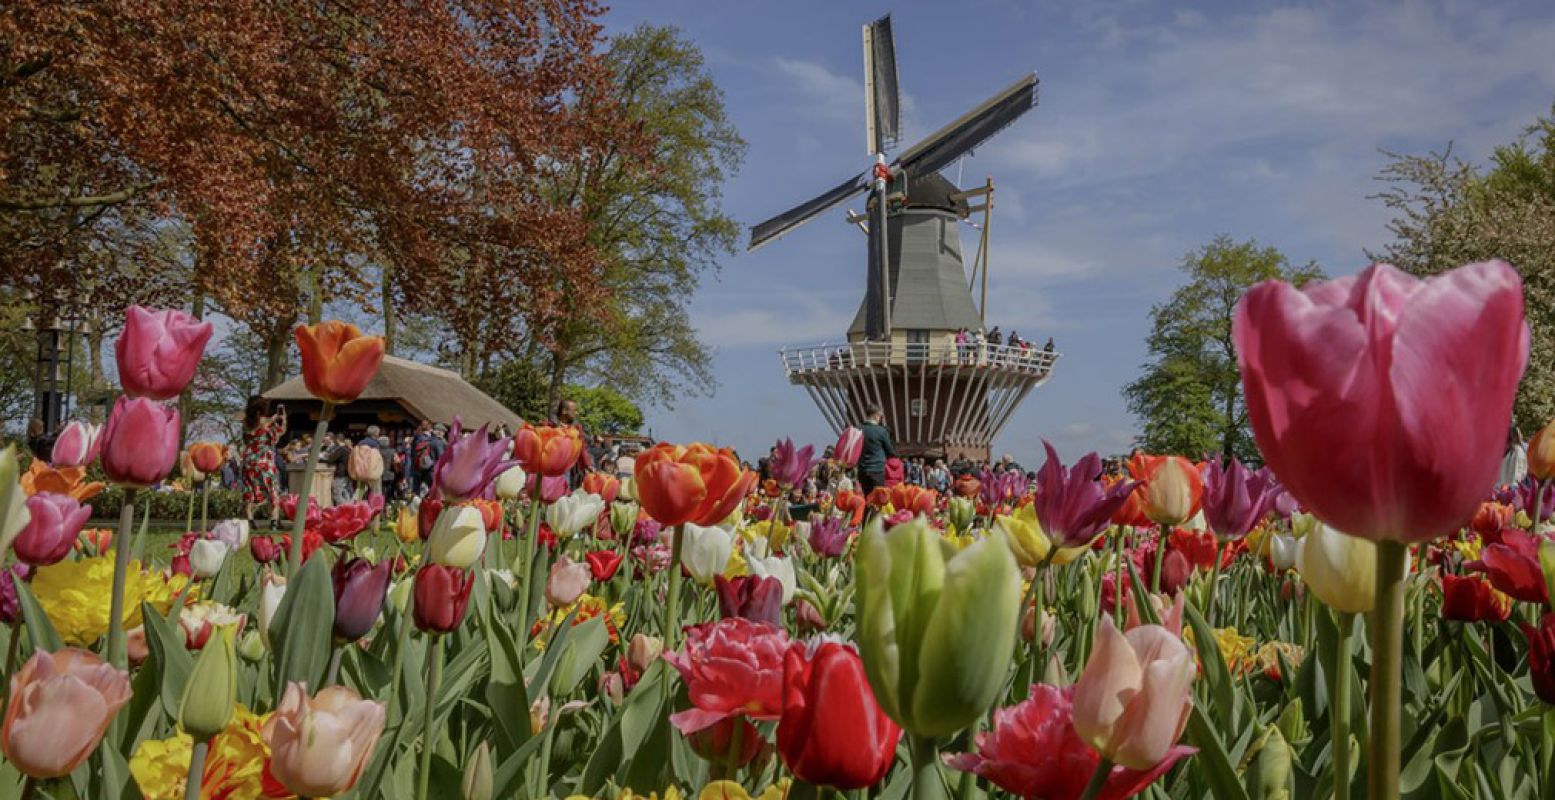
x,y
60,706
77,445
158,351
140,441
1382,401
567,582
850,445
1133,699
319,745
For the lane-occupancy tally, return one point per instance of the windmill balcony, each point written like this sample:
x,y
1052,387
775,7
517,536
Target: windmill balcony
x,y
854,355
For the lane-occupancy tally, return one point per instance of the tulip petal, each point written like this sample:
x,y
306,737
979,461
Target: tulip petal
x,y
1111,679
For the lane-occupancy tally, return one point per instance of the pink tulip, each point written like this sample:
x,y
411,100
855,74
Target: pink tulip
x,y
77,445
1382,401
553,489
140,441
1133,700
60,706
850,445
319,745
158,351
567,582
51,533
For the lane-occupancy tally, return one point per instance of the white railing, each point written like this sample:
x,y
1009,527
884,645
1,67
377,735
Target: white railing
x,y
853,355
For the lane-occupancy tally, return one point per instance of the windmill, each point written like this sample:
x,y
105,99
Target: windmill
x,y
901,352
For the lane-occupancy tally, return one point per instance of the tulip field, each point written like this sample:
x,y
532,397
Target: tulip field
x,y
1362,615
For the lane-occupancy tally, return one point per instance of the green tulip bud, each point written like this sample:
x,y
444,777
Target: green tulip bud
x,y
623,518
961,513
477,782
1268,774
252,648
206,707
936,634
1088,596
399,594
1293,722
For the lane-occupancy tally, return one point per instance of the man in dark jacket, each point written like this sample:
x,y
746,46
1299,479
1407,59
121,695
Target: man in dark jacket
x,y
877,448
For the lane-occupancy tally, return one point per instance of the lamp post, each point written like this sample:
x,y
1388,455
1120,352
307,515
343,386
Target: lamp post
x,y
55,327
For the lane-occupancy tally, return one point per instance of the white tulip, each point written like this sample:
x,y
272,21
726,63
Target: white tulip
x,y
574,512
510,484
458,537
272,590
705,551
1282,551
207,556
778,567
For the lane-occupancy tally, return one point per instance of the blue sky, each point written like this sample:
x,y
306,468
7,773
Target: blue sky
x,y
1158,127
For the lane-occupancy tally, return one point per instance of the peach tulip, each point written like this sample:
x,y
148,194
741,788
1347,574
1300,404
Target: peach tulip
x,y
547,450
61,704
338,361
319,745
1133,699
207,456
567,582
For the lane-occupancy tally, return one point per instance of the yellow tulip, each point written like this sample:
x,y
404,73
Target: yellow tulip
x,y
1028,541
1341,570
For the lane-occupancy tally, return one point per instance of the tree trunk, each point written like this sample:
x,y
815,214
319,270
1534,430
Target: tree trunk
x,y
275,358
94,375
316,294
388,310
553,394
1229,442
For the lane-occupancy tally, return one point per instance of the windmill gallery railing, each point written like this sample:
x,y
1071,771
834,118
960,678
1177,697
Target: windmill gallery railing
x,y
937,397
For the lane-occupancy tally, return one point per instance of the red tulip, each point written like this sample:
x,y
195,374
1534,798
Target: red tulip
x,y
850,445
732,668
52,531
1033,751
1513,567
264,549
426,515
158,351
1541,657
1363,401
832,731
750,597
441,595
716,743
1473,600
603,564
697,484
337,360
140,442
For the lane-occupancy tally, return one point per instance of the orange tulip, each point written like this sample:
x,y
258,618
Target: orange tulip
x,y
61,704
697,484
1173,489
1541,453
98,539
912,498
207,456
41,477
851,504
548,450
337,360
603,484
319,745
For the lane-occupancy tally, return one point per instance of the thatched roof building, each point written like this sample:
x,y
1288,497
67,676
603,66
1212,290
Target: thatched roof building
x,y
400,396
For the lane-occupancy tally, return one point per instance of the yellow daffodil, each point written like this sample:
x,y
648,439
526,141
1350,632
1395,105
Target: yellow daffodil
x,y
1468,547
76,596
729,790
234,768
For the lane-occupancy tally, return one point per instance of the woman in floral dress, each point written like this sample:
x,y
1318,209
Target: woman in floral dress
x,y
261,432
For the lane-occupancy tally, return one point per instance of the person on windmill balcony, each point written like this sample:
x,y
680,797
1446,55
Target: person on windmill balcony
x,y
995,340
877,448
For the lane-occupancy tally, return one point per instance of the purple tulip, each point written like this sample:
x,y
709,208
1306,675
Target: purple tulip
x,y
829,537
360,589
789,467
468,466
52,531
750,597
1071,503
10,603
158,351
140,441
1520,496
1236,498
646,531
998,488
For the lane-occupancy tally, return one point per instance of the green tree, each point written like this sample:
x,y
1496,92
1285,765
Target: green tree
x,y
1449,213
1189,399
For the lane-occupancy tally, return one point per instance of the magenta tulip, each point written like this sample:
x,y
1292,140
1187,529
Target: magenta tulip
x,y
1236,498
1382,401
52,531
158,351
140,441
76,445
1071,503
789,465
468,466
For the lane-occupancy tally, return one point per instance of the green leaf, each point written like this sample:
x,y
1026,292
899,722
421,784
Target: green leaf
x,y
1223,695
642,715
505,691
580,655
168,656
302,630
40,631
1212,756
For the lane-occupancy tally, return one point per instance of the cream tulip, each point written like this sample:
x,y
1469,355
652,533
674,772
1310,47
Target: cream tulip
x,y
1341,570
458,537
705,551
1133,699
510,484
574,512
779,567
207,556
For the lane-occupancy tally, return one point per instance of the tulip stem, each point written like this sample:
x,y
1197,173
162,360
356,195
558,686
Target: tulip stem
x,y
196,770
1160,557
1214,582
305,493
205,505
1098,780
1339,708
672,600
333,674
526,569
928,783
1387,647
118,655
428,727
1117,580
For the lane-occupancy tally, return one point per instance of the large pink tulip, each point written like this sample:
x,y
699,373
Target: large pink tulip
x,y
1382,401
158,351
60,706
76,445
1133,699
319,745
140,441
51,533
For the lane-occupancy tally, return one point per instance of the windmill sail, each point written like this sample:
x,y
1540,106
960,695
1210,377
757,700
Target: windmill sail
x,y
882,98
764,232
949,143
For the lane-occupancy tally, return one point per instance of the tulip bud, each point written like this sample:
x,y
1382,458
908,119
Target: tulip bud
x,y
1541,453
643,651
76,445
442,594
232,531
567,582
510,484
400,594
705,552
207,556
539,714
1268,776
1340,569
936,637
961,512
623,518
628,490
1173,491
458,538
406,527
1282,551
140,441
206,707
477,782
52,530
272,590
252,647
1293,722
1547,563
14,515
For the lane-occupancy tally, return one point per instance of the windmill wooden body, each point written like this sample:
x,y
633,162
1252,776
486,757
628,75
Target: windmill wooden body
x,y
901,353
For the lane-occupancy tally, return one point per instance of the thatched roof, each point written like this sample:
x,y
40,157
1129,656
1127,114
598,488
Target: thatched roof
x,y
426,392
